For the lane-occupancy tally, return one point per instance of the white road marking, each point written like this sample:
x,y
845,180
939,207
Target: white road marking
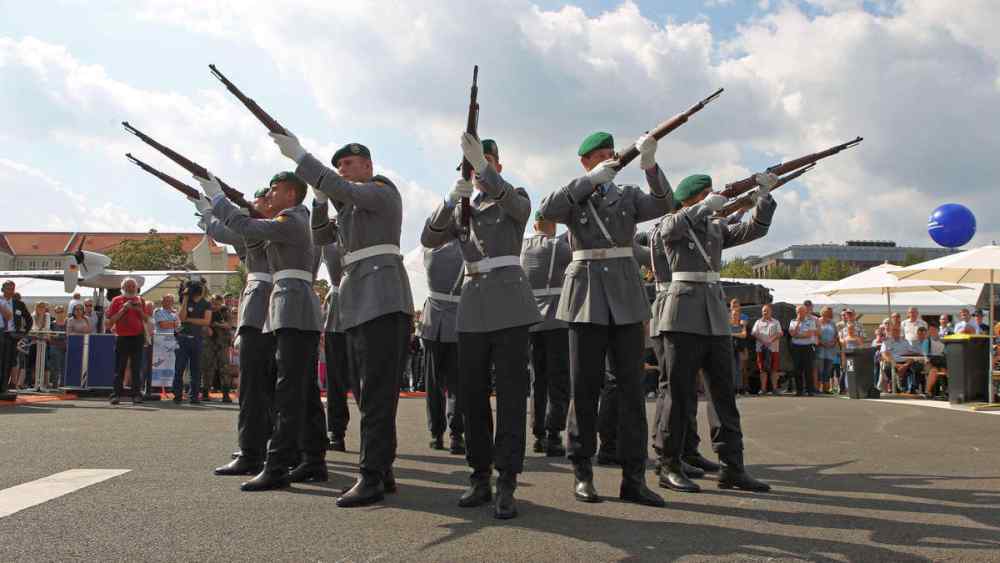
x,y
931,403
33,493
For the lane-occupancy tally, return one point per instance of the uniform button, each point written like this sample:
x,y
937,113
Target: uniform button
x,y
605,268
375,268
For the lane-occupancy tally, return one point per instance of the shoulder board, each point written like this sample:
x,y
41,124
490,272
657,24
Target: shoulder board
x,y
281,218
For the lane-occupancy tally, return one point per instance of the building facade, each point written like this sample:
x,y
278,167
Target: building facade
x,y
861,254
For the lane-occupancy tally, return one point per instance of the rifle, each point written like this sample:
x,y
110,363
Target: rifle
x,y
746,184
665,128
265,118
748,200
173,182
472,127
233,194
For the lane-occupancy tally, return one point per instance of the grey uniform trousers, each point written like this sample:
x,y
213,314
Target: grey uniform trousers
x,y
376,355
684,355
588,345
505,350
258,373
550,384
300,425
441,369
338,383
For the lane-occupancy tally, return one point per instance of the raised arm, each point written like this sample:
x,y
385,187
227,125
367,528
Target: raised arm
x,y
514,201
324,231
440,226
373,196
677,224
558,205
755,228
659,200
279,229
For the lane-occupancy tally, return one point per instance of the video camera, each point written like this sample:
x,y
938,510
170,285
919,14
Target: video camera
x,y
191,288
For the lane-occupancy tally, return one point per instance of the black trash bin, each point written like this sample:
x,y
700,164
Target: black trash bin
x,y
859,365
967,359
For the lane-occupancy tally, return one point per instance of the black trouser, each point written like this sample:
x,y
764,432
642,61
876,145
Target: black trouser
x,y
8,356
338,383
661,428
441,367
376,356
588,345
550,386
297,427
257,379
803,357
128,350
507,351
684,354
607,411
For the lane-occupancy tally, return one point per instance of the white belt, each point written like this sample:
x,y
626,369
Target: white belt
x,y
547,291
368,252
662,286
259,276
445,297
491,263
293,275
696,277
603,253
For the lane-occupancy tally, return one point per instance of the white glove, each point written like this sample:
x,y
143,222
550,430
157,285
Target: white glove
x,y
715,202
463,188
766,181
472,148
289,145
603,173
202,204
647,151
320,197
210,185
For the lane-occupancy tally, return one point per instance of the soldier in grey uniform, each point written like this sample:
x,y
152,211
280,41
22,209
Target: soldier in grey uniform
x,y
294,316
445,274
604,302
650,253
256,347
338,377
494,314
693,325
376,305
544,258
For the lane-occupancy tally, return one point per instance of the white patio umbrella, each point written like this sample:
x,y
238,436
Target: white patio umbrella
x,y
978,265
879,281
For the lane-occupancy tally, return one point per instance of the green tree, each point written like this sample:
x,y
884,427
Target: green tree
x,y
832,269
737,268
779,272
151,253
913,258
235,284
321,287
805,271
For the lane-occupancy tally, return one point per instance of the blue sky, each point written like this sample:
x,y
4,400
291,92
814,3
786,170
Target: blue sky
x,y
799,76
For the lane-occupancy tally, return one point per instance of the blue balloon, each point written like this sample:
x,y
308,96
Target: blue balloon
x,y
952,225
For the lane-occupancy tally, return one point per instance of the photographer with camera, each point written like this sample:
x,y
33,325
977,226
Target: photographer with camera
x,y
127,317
195,315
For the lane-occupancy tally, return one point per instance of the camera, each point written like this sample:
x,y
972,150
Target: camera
x,y
190,288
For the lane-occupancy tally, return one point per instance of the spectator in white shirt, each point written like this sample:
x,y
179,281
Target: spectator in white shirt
x,y
767,333
804,332
965,324
165,316
911,325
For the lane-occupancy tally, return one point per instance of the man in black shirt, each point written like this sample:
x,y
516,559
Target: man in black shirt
x,y
195,315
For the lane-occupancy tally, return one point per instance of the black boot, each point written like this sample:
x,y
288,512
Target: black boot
x,y
242,465
554,445
367,490
312,469
634,489
701,462
672,477
539,446
504,509
389,481
583,481
457,446
337,444
736,477
479,492
269,478
437,443
691,471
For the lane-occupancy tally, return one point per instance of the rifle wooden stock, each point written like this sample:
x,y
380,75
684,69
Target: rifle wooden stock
x,y
747,200
169,180
665,128
194,168
258,112
746,184
472,127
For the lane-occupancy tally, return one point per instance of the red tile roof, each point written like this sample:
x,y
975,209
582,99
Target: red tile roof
x,y
44,243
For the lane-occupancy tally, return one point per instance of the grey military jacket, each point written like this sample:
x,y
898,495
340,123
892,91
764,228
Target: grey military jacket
x,y
605,291
445,274
293,303
695,307
368,214
256,297
324,232
500,298
544,260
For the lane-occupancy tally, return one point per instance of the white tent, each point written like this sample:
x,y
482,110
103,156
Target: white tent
x,y
413,261
880,281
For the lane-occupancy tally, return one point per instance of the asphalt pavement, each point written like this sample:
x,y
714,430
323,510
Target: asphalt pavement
x,y
853,481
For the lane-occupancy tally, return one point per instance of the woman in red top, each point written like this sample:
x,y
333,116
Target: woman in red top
x,y
127,316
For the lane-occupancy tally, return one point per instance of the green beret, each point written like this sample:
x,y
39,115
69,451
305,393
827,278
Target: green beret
x,y
599,140
287,177
490,147
692,186
538,216
261,192
350,149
